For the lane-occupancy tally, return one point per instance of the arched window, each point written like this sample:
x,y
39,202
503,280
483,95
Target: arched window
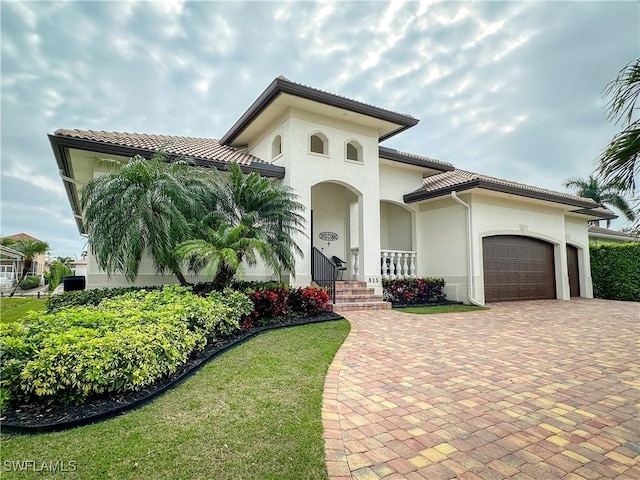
x,y
276,146
318,143
354,151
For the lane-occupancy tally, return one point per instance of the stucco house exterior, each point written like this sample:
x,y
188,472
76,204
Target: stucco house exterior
x,y
386,213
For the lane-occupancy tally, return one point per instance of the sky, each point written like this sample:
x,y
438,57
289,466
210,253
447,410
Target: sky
x,y
509,89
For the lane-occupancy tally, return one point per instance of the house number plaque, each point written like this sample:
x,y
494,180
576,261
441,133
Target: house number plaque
x,y
328,236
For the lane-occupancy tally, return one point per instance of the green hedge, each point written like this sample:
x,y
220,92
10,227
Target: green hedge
x,y
615,271
121,345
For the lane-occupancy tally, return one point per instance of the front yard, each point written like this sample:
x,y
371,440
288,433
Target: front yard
x,y
252,413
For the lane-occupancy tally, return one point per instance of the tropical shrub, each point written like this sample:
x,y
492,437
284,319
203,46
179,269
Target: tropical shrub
x,y
80,298
273,300
268,303
615,271
414,291
121,345
309,301
29,282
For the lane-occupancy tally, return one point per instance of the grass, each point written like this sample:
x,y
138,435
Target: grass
x,y
12,309
252,413
440,309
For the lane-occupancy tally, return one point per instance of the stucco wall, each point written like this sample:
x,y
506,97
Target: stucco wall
x,y
442,247
577,234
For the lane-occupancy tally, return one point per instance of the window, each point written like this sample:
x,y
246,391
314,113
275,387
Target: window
x,y
354,152
6,271
318,143
276,146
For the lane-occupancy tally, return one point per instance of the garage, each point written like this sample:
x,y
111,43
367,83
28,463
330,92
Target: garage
x,y
517,268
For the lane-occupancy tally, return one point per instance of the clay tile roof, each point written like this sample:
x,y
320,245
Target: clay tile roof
x,y
335,95
413,159
23,236
187,147
613,233
459,180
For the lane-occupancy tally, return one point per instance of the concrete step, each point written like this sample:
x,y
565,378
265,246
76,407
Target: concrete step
x,y
358,306
356,291
348,284
342,298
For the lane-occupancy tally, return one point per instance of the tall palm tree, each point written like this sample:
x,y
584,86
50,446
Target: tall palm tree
x,y
145,207
29,249
619,163
605,194
249,217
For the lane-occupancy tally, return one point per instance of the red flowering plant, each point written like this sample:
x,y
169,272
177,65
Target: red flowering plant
x,y
414,291
268,304
309,301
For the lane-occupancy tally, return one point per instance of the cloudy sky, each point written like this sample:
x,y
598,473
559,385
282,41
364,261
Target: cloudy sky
x,y
510,89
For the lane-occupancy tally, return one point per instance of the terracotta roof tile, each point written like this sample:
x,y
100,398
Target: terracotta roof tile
x,y
282,77
459,177
448,181
188,147
614,233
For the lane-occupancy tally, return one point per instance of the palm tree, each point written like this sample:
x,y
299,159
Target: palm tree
x,y
618,163
604,194
250,217
145,207
29,249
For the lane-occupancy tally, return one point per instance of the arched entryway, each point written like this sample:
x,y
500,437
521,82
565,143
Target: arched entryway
x,y
398,258
335,224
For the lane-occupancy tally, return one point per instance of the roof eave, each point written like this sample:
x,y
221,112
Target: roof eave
x,y
395,156
265,169
513,190
281,85
61,153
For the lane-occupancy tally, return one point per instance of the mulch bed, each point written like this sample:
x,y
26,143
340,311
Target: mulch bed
x,y
42,418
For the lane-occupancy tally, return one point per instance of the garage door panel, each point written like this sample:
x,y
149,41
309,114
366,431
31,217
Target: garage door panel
x,y
518,268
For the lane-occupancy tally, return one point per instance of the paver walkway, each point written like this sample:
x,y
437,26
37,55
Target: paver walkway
x,y
526,390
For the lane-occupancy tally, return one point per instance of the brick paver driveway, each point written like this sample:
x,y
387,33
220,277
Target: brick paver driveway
x,y
527,390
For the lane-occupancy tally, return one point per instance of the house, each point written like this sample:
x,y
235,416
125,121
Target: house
x,y
10,266
599,235
387,213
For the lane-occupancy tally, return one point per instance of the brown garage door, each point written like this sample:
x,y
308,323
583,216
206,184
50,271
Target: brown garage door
x,y
517,268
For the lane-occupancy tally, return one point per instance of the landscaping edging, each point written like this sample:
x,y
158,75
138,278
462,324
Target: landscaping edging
x,y
438,304
133,400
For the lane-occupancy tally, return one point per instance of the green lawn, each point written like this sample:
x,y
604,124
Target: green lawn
x,y
12,309
440,309
252,413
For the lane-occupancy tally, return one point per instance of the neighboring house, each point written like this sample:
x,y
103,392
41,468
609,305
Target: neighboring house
x,y
40,262
79,267
10,266
604,235
387,213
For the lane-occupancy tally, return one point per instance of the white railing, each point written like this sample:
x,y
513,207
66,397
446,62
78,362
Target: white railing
x,y
397,264
355,265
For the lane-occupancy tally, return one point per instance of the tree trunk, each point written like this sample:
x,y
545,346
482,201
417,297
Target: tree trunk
x,y
25,268
223,278
180,276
